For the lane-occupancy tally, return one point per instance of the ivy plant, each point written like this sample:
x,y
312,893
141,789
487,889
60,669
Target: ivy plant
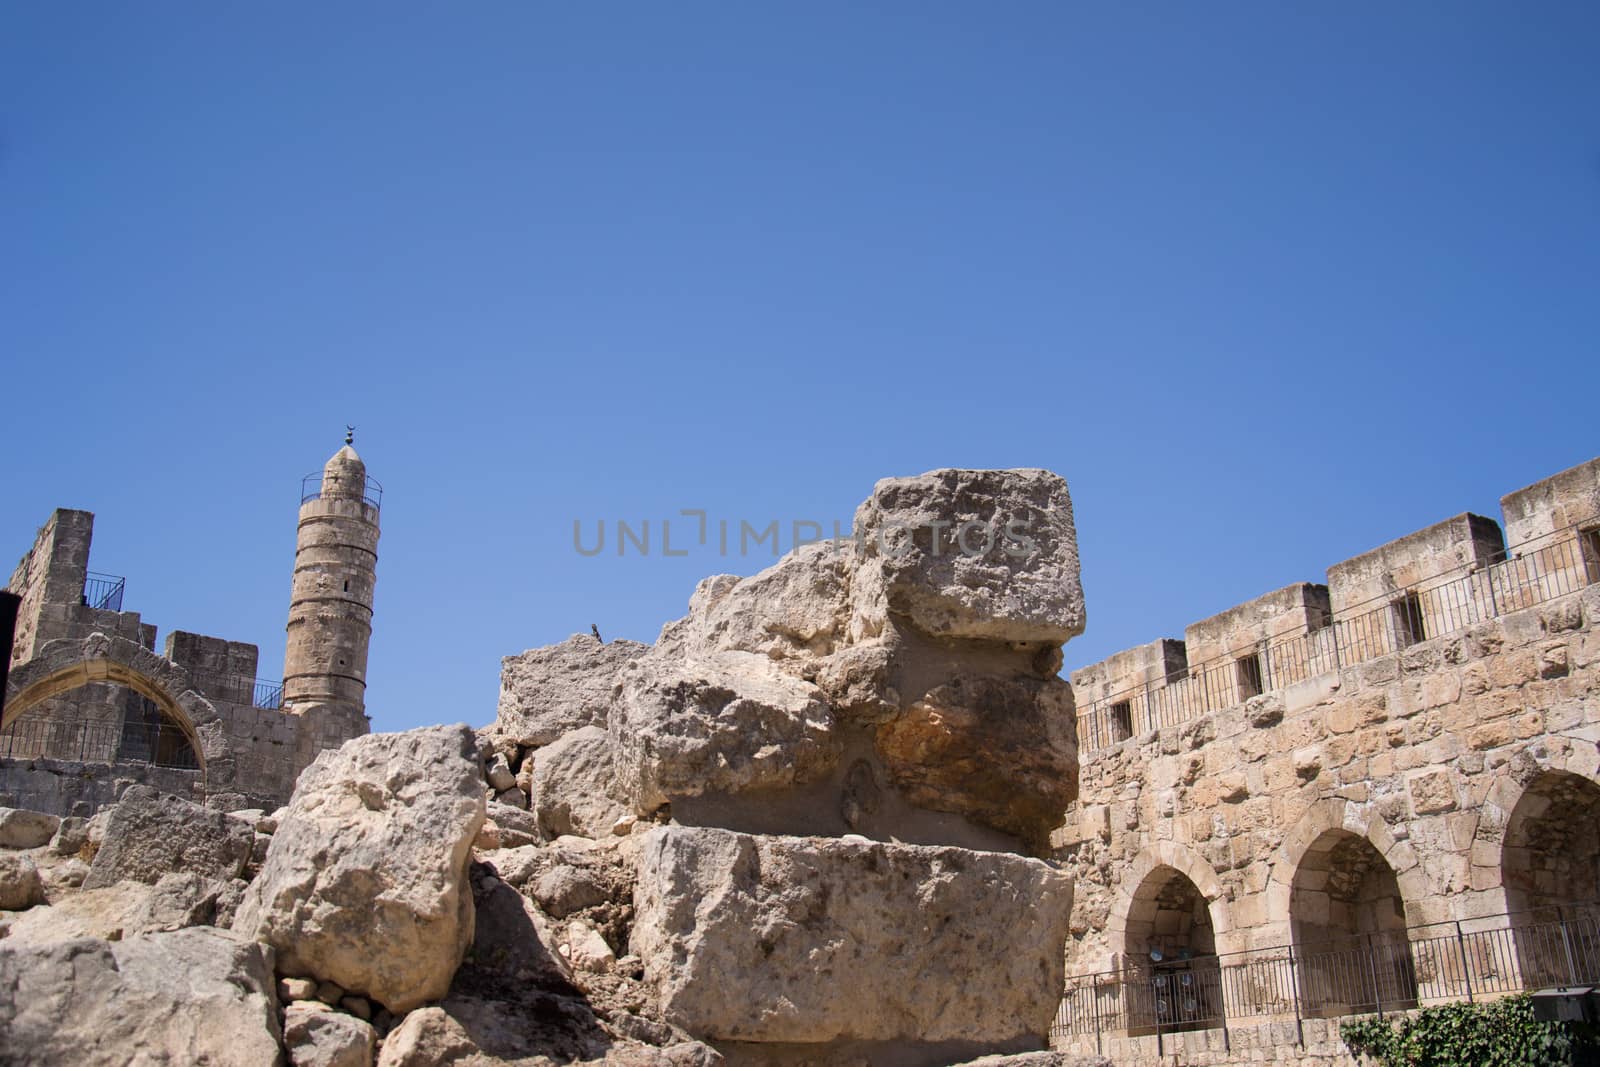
x,y
1501,1033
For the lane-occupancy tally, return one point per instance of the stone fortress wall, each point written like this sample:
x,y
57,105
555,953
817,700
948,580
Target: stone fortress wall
x,y
92,707
1347,797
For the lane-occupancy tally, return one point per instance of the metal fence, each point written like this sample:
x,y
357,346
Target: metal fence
x,y
1532,573
103,592
311,489
240,689
1377,973
162,744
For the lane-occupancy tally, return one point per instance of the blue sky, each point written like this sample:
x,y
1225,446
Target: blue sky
x,y
1268,284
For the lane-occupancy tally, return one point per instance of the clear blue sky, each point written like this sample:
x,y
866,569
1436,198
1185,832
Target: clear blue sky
x,y
1268,285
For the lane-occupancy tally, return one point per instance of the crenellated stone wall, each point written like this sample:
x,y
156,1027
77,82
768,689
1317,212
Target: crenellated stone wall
x,y
1413,743
91,708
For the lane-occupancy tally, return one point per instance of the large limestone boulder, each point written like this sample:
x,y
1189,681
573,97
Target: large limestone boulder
x,y
1001,751
726,724
189,997
829,940
547,692
365,883
987,555
20,828
119,911
794,613
574,785
927,647
151,834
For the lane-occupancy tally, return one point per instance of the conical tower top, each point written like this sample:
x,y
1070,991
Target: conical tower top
x,y
344,475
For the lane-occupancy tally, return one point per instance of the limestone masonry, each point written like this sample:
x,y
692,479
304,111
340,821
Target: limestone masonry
x,y
844,813
91,707
1390,777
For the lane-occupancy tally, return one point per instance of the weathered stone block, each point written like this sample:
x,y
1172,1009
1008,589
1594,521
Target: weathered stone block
x,y
830,939
991,555
546,692
727,724
152,834
365,882
188,997
574,785
26,829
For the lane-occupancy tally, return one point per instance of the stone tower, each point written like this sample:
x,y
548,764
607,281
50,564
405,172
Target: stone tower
x,y
330,604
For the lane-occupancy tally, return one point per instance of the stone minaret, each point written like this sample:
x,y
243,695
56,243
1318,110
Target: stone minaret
x,y
330,605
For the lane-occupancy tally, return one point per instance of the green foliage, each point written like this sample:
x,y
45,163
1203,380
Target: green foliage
x,y
1502,1033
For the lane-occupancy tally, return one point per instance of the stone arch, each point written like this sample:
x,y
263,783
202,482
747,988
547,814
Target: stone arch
x,y
1165,923
1357,819
1346,910
1542,819
1524,772
1147,876
65,665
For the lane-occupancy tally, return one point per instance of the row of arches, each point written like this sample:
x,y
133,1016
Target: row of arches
x,y
1342,900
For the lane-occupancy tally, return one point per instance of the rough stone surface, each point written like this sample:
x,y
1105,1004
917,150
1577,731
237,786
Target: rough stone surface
x,y
587,950
574,785
794,613
183,998
547,692
726,724
152,834
848,939
740,715
976,554
26,829
1038,1059
121,910
512,939
1000,751
517,826
365,883
20,884
540,1030
70,836
316,1036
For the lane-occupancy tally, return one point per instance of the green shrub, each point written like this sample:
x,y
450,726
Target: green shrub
x,y
1501,1033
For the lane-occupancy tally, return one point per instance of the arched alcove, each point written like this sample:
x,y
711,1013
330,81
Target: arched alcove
x,y
1550,867
1170,954
1348,921
100,722
149,709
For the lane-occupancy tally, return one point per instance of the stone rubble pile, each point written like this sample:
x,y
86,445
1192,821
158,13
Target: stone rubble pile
x,y
798,829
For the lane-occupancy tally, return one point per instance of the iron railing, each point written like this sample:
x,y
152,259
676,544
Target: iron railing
x,y
103,592
160,744
1459,960
240,689
1528,574
311,489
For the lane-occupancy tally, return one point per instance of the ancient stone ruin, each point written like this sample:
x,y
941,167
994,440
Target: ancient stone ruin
x,y
90,707
807,826
846,812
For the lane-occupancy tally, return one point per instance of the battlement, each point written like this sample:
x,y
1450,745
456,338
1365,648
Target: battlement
x,y
1436,581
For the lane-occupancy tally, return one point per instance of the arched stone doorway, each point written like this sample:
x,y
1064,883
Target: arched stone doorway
x,y
1550,867
1348,921
161,721
100,722
1169,948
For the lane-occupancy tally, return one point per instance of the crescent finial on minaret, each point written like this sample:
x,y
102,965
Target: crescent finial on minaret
x,y
349,434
